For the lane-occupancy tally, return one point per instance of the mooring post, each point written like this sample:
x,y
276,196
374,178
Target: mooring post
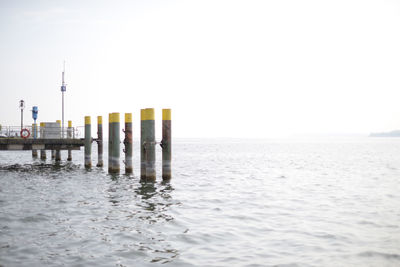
x,y
128,143
147,146
114,141
88,142
110,132
34,151
166,144
142,153
42,151
69,136
99,141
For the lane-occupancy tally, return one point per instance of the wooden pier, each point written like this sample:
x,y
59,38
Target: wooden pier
x,y
40,144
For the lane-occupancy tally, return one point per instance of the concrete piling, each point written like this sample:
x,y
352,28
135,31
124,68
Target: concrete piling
x,y
109,142
166,144
69,136
99,141
128,143
147,143
42,151
114,143
147,146
34,133
88,142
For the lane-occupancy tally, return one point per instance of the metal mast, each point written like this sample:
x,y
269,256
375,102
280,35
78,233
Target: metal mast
x,y
63,89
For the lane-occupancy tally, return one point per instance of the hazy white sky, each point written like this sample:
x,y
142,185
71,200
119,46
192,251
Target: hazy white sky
x,y
226,68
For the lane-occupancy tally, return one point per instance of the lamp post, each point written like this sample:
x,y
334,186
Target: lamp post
x,y
22,106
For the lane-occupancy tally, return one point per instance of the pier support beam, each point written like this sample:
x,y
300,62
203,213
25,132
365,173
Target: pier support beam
x,y
88,142
166,144
43,154
58,155
99,141
128,143
54,152
147,146
114,143
69,136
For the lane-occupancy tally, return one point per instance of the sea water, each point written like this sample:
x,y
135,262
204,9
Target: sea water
x,y
231,202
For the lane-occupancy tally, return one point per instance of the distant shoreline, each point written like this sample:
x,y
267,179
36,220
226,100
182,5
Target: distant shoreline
x,y
395,133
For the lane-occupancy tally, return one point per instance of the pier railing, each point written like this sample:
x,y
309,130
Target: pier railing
x,y
41,132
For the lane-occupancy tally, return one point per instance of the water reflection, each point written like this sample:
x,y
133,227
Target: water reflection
x,y
155,202
113,176
156,198
40,167
146,190
143,212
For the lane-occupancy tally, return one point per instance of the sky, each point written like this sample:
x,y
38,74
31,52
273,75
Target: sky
x,y
226,68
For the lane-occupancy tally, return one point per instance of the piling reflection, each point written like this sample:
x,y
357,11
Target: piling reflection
x,y
155,201
156,198
142,212
146,190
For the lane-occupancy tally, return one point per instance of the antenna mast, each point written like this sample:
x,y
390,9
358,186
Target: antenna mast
x,y
63,89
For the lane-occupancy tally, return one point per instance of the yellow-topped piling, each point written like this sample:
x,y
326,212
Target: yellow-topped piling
x,y
114,143
147,114
99,141
166,114
128,117
147,145
114,117
69,136
128,143
166,144
88,142
109,141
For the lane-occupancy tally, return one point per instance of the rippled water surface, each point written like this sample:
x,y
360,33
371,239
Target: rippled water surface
x,y
320,202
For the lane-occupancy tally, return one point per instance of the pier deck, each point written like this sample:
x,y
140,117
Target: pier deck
x,y
46,144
